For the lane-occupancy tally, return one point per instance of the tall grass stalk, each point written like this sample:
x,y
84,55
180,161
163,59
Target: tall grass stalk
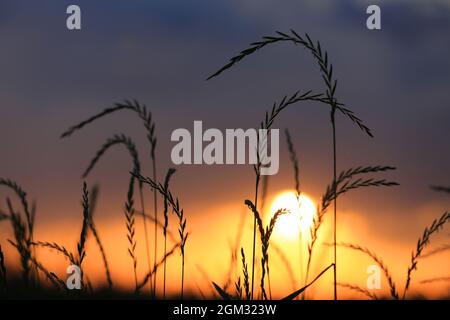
x,y
295,164
22,243
285,260
170,172
266,124
160,226
245,275
329,98
257,175
149,275
130,223
155,209
234,251
84,230
92,205
23,232
174,203
238,288
3,281
265,234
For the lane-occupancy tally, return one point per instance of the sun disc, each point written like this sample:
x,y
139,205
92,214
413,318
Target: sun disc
x,y
300,218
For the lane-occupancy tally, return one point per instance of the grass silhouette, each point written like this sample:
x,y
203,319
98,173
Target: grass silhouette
x,y
28,283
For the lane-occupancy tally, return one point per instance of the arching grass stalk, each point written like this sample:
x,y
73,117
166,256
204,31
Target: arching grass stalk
x,y
346,181
329,98
75,258
129,205
146,116
379,262
267,124
422,242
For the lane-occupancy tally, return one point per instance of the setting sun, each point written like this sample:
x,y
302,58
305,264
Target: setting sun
x,y
299,219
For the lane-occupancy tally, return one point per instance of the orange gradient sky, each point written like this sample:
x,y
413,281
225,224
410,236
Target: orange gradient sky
x,y
214,232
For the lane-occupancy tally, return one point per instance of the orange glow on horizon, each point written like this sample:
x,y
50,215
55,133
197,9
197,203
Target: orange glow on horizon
x,y
214,232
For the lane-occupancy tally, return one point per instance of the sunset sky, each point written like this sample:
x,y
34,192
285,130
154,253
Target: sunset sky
x,y
160,53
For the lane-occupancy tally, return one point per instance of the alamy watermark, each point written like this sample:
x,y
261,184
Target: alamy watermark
x,y
373,22
374,278
235,146
74,277
73,21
